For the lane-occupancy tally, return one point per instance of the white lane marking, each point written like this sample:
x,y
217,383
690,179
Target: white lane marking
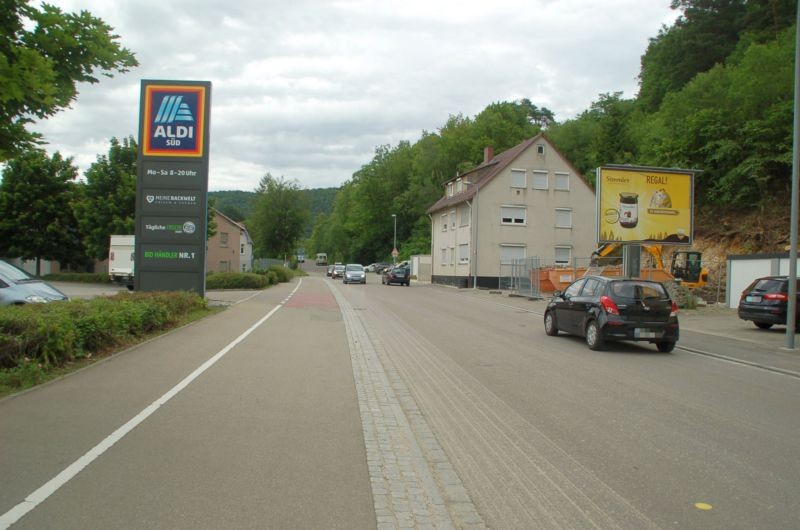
x,y
40,495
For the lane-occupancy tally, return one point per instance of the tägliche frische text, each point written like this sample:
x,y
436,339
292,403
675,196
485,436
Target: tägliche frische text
x,y
186,228
168,254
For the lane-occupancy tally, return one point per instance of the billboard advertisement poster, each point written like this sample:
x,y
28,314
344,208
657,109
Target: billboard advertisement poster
x,y
645,205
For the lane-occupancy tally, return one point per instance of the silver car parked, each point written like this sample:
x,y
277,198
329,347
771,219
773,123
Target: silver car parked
x,y
17,287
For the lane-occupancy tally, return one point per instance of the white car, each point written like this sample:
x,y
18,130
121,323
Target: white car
x,y
354,273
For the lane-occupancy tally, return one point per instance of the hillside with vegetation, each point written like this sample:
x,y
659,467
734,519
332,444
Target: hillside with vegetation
x,y
715,95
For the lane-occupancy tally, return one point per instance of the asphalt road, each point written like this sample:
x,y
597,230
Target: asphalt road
x,y
361,406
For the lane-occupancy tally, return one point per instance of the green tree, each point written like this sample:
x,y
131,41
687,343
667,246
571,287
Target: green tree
x,y
109,198
45,53
280,212
36,216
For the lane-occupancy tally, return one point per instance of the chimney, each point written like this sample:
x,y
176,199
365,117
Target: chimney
x,y
488,154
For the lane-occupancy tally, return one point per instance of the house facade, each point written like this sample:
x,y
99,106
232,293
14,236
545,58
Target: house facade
x,y
524,202
231,248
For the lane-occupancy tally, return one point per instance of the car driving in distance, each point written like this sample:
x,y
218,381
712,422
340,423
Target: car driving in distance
x,y
17,287
354,273
765,302
401,275
338,271
603,309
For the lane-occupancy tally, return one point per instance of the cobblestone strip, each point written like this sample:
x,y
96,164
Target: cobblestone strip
x,y
413,483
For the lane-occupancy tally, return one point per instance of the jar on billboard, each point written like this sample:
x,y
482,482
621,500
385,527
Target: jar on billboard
x,y
628,209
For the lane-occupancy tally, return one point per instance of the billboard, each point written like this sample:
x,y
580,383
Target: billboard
x,y
172,186
645,205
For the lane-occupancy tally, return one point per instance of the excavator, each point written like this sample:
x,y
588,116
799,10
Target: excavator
x,y
686,266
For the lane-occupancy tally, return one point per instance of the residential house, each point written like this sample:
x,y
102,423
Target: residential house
x,y
231,248
526,201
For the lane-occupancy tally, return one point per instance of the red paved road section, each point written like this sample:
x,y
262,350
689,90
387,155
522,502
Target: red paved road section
x,y
305,300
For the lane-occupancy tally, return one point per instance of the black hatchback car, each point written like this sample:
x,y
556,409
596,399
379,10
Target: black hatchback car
x,y
605,309
401,275
765,302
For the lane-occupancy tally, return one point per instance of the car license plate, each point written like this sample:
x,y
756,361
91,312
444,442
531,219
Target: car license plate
x,y
641,333
750,298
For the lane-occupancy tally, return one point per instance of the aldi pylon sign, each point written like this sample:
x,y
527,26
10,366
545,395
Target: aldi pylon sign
x,y
172,186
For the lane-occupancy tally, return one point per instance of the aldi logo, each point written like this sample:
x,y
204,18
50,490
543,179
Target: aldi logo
x,y
174,120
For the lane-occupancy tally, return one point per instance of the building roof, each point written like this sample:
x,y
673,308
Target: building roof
x,y
479,176
240,226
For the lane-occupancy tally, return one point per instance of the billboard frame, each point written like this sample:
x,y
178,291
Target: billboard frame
x,y
625,205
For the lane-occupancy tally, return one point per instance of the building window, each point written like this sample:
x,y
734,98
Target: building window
x,y
444,257
463,253
459,185
513,215
223,239
540,149
444,222
452,255
511,252
241,249
449,189
563,218
465,211
518,178
452,219
562,182
224,266
540,180
563,255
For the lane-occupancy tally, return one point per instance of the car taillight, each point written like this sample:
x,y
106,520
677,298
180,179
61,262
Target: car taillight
x,y
674,311
609,306
776,296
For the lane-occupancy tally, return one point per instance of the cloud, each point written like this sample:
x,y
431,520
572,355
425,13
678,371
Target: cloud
x,y
308,89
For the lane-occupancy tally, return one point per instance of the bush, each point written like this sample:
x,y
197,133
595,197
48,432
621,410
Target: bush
x,y
236,280
272,277
51,335
78,277
284,274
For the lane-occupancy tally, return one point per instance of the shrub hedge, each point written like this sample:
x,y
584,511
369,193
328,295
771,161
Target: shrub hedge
x,y
50,335
235,280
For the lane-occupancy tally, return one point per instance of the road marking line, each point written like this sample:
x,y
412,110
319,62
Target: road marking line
x,y
40,495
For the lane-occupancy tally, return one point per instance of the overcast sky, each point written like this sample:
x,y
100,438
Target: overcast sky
x,y
308,89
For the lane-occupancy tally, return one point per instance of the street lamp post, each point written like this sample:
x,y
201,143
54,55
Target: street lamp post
x,y
394,246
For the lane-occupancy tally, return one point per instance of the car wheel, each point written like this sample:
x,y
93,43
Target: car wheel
x,y
665,347
763,325
594,336
550,326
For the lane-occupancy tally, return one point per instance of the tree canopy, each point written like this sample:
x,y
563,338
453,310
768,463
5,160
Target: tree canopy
x,y
45,53
36,215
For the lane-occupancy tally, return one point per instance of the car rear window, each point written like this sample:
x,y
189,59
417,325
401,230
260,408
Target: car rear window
x,y
770,285
638,290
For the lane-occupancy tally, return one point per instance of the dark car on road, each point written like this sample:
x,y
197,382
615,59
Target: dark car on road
x,y
605,309
338,271
765,302
17,287
401,275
